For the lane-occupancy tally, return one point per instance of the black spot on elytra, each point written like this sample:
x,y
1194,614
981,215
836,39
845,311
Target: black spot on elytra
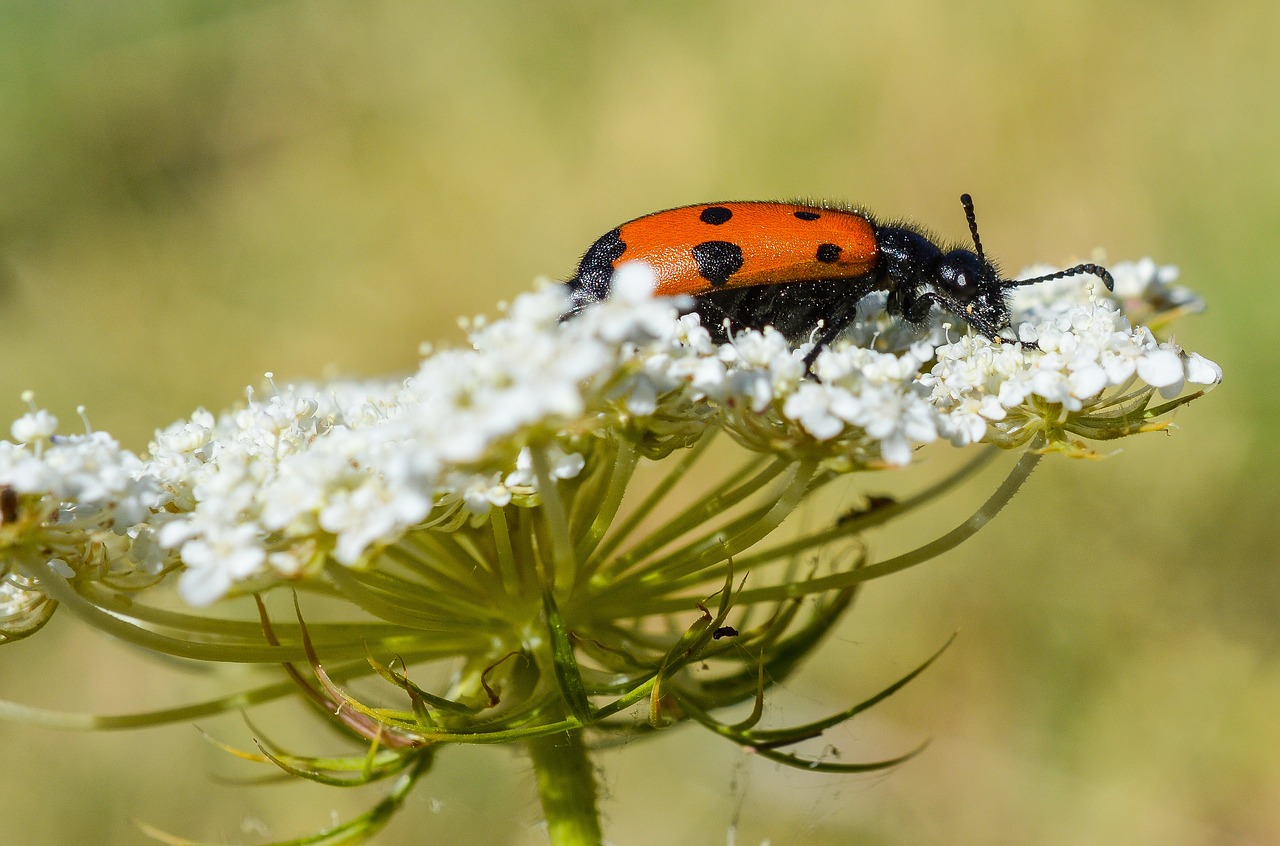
x,y
807,215
717,261
828,253
591,284
715,215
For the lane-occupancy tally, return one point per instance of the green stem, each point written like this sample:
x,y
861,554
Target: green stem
x,y
567,787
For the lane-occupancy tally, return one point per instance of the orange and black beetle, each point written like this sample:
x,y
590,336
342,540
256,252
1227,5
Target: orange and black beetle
x,y
799,267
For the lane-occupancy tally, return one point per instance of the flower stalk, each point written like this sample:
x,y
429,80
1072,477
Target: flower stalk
x,y
567,788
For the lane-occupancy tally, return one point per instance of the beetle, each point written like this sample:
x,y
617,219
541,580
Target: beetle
x,y
803,268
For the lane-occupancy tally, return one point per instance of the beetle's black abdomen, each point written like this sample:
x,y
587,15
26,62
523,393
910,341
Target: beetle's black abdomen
x,y
793,309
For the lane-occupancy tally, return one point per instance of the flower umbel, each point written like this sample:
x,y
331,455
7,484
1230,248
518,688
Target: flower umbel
x,y
479,514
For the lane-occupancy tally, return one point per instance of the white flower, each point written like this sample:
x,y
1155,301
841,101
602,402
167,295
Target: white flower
x,y
368,514
898,419
1145,281
34,426
811,405
563,466
1202,371
762,366
1161,368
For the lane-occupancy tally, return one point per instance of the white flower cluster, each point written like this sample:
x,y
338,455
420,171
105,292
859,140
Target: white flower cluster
x,y
873,396
1085,354
77,503
90,478
336,472
914,387
341,471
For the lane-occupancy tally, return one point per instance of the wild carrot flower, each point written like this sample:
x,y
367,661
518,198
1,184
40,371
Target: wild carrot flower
x,y
479,513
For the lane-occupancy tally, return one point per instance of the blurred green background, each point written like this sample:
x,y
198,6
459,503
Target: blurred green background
x,y
192,193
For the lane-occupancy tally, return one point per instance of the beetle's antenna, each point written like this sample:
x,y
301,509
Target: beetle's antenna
x,y
1096,270
967,202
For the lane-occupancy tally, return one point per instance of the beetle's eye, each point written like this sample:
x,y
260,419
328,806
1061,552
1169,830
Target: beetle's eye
x,y
961,285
